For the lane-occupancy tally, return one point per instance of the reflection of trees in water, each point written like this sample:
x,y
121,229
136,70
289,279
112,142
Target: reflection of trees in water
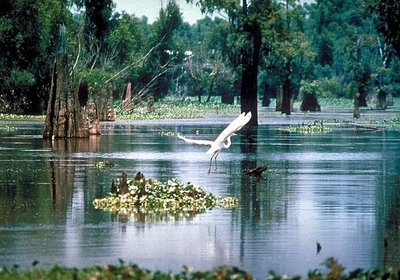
x,y
265,199
63,169
19,189
390,210
155,216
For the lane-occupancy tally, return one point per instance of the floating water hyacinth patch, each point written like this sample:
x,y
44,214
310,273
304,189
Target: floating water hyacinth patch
x,y
310,127
147,196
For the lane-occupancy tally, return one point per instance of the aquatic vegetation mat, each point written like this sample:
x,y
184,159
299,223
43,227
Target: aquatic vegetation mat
x,y
146,196
123,270
310,127
175,109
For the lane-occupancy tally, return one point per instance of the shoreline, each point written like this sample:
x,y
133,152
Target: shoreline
x,y
266,116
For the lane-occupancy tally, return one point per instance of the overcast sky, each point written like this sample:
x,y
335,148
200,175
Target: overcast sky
x,y
151,9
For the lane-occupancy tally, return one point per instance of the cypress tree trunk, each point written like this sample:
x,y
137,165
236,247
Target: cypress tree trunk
x,y
362,99
64,118
356,110
286,97
286,107
126,104
279,97
248,93
102,99
381,100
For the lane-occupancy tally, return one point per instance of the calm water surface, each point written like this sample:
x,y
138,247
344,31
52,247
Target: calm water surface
x,y
341,189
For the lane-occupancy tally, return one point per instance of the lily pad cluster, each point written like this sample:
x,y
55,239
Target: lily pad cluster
x,y
141,195
310,127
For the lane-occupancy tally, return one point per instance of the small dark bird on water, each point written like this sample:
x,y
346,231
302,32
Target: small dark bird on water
x,y
319,247
108,163
257,171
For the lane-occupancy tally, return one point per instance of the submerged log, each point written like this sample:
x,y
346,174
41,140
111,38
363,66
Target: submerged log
x,y
365,126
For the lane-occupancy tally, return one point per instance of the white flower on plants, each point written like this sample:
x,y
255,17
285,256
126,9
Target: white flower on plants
x,y
188,53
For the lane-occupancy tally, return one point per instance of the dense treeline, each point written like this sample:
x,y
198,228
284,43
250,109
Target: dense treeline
x,y
261,50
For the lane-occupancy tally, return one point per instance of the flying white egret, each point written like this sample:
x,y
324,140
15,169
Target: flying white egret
x,y
223,141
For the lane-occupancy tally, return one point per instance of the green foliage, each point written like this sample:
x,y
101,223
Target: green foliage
x,y
157,69
206,67
327,42
125,38
309,87
336,103
95,78
344,38
97,20
387,21
26,37
124,270
18,82
21,117
21,78
393,122
326,88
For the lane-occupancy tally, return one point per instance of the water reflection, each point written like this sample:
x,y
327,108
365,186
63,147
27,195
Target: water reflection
x,y
341,189
156,216
67,177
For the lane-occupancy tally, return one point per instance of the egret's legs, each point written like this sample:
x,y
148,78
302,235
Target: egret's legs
x,y
215,159
214,156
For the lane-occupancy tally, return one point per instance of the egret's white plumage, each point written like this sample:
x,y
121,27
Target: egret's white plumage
x,y
223,141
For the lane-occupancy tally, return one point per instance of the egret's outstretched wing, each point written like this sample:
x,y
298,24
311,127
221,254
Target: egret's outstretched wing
x,y
194,141
233,127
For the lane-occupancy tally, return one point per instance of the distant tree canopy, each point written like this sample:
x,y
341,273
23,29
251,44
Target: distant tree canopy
x,y
97,19
167,54
388,21
255,49
26,34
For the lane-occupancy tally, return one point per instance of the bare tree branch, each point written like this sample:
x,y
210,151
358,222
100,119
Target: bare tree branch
x,y
150,83
77,59
135,62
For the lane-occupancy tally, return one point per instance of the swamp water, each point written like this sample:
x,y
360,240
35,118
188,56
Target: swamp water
x,y
340,188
